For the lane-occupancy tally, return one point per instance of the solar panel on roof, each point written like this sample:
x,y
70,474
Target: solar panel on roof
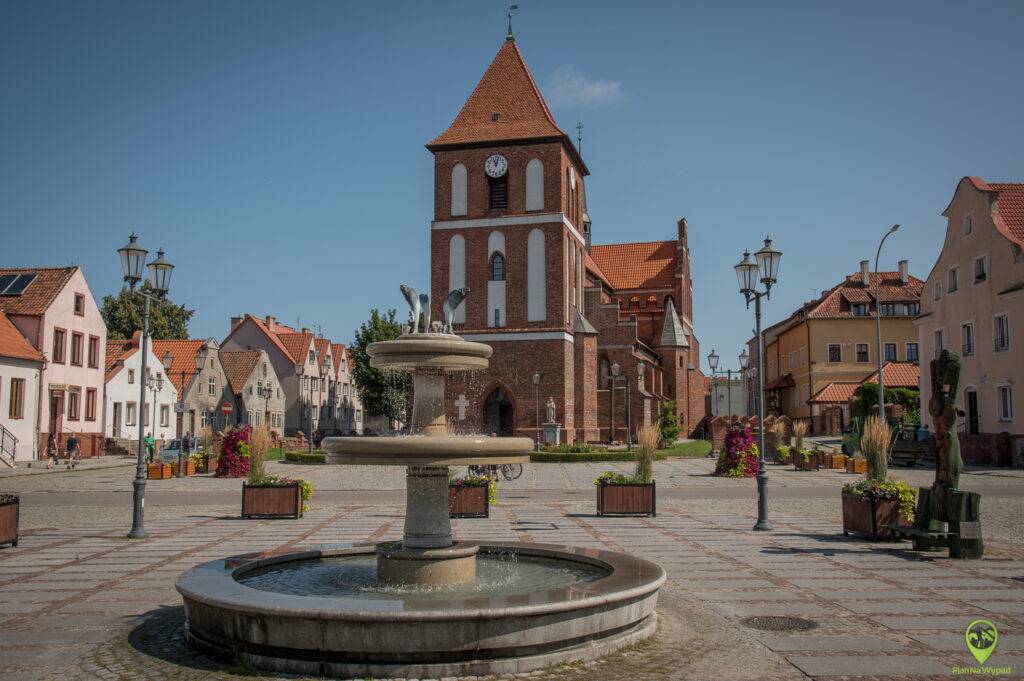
x,y
5,281
18,286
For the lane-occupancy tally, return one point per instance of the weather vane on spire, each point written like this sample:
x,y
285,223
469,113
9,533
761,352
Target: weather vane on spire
x,y
579,137
511,7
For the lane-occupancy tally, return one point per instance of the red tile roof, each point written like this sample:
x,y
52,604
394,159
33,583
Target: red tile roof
x,y
1009,217
835,393
118,350
897,375
594,268
183,353
322,346
650,264
271,335
837,301
35,299
506,89
13,344
337,354
238,366
296,345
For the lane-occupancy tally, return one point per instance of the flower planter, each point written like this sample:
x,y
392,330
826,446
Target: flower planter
x,y
190,468
859,466
835,461
468,501
868,516
158,471
9,511
626,499
811,463
272,501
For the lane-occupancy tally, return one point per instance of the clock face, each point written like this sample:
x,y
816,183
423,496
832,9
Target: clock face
x,y
495,165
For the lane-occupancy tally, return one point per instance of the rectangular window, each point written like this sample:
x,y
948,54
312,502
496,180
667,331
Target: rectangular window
x,y
130,413
94,352
862,352
497,317
890,352
58,345
212,385
954,280
835,353
72,404
1002,332
90,404
259,418
16,408
966,340
912,355
204,418
980,269
938,343
1004,396
248,416
131,376
165,415
968,223
76,349
860,309
888,309
79,305
938,290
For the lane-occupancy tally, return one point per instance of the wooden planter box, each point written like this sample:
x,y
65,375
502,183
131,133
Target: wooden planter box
x,y
158,471
856,465
465,501
272,501
190,468
626,499
835,461
868,516
9,511
812,463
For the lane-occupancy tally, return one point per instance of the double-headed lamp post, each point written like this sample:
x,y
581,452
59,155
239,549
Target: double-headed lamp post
x,y
536,403
133,259
878,323
629,400
713,363
748,273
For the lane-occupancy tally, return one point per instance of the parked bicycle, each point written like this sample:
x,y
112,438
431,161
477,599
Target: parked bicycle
x,y
508,471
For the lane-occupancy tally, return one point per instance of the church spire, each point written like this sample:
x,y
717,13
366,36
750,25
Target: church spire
x,y
509,36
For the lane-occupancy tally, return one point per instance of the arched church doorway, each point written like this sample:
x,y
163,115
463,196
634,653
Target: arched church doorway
x,y
499,414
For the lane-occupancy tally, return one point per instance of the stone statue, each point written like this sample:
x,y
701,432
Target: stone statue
x,y
451,304
551,410
415,307
945,380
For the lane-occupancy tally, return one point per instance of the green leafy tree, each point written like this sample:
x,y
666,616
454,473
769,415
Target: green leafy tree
x,y
865,400
383,393
123,316
668,423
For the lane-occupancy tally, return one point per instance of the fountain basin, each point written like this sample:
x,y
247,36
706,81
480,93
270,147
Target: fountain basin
x,y
420,633
422,450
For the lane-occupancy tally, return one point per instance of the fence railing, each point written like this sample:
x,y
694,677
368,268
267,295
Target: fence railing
x,y
8,446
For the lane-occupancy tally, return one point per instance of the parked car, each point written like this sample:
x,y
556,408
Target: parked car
x,y
172,449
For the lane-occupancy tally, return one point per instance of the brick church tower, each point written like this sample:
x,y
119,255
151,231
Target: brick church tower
x,y
511,223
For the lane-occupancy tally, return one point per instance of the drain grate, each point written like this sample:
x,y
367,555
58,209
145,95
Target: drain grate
x,y
778,623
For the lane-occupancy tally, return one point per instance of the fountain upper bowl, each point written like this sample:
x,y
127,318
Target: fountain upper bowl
x,y
418,351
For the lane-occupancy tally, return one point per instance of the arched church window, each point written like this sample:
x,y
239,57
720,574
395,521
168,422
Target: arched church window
x,y
497,267
535,185
459,189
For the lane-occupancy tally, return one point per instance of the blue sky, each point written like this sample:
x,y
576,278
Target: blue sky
x,y
275,149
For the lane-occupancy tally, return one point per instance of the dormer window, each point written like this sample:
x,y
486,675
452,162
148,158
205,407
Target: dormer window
x,y
860,309
497,267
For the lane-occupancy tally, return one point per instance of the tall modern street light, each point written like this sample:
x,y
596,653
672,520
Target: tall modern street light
x,y
747,274
878,323
536,403
133,258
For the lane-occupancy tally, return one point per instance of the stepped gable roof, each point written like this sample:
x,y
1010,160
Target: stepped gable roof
x,y
37,296
296,345
507,89
183,358
644,265
839,392
238,366
891,290
897,375
673,335
15,345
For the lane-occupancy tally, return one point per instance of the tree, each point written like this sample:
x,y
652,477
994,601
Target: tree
x,y
383,393
668,423
865,400
123,316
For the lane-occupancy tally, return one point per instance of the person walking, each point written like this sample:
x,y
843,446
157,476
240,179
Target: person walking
x,y
72,451
51,451
150,444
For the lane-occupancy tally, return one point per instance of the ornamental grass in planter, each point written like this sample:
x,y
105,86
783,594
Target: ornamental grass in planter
x,y
620,494
779,441
10,509
265,495
471,496
874,502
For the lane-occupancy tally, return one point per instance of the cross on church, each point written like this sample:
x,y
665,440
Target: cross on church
x,y
462,403
579,136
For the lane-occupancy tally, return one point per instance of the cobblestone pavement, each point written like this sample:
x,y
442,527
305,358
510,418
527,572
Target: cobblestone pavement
x,y
83,602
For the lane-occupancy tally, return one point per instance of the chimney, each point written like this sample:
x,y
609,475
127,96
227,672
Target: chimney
x,y
682,225
904,275
270,322
305,329
235,321
137,338
864,278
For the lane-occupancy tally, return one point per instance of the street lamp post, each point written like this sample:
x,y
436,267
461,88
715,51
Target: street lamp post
x,y
629,405
713,363
133,257
200,362
536,404
878,323
265,392
747,274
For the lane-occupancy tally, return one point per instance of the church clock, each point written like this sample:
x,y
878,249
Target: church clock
x,y
496,166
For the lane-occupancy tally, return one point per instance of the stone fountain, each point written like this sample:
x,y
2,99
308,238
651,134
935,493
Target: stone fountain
x,y
427,606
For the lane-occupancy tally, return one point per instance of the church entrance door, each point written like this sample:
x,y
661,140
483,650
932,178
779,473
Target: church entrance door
x,y
499,415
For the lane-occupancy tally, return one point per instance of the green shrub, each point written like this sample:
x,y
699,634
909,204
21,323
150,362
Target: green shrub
x,y
668,423
888,489
560,457
783,451
305,457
